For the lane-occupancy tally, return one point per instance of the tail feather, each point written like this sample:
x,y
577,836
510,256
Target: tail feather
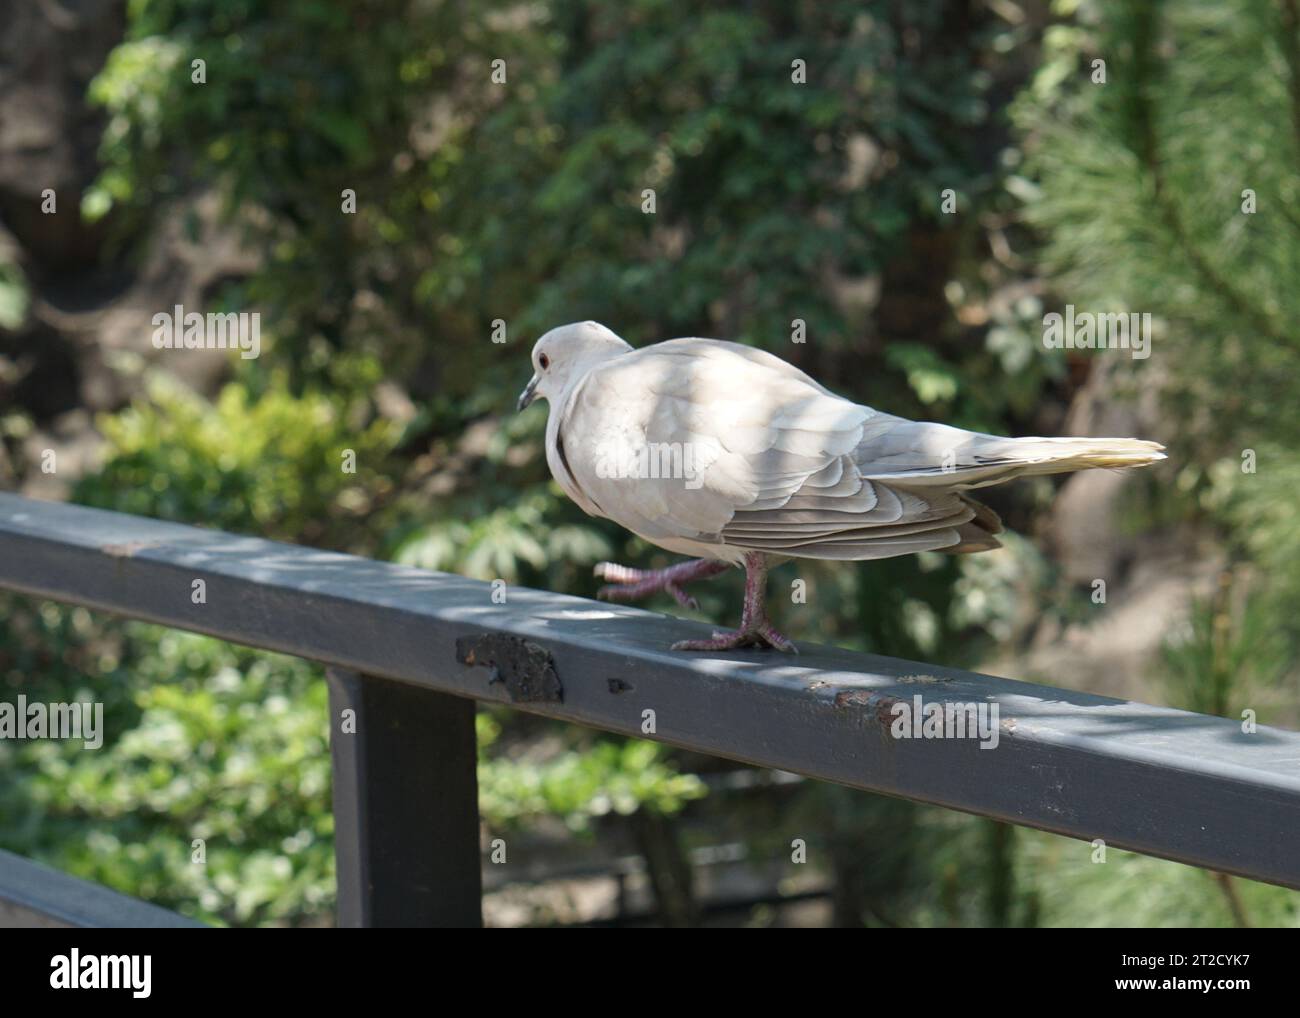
x,y
981,460
1059,455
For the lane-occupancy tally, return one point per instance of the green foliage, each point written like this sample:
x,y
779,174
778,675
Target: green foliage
x,y
588,779
931,378
753,205
1172,189
1072,888
1226,656
271,465
1140,189
14,296
1239,646
303,100
502,543
203,740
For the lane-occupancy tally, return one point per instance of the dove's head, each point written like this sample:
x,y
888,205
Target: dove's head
x,y
565,354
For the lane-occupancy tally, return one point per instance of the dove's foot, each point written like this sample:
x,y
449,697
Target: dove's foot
x,y
628,584
755,629
763,635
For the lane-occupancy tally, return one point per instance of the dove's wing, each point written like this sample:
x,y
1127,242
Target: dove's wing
x,y
709,447
721,444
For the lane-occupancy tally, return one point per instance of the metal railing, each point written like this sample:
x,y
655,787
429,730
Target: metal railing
x,y
409,651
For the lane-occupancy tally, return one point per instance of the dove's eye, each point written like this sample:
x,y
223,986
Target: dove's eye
x,y
544,361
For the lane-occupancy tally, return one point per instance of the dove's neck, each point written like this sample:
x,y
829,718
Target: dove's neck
x,y
557,455
588,362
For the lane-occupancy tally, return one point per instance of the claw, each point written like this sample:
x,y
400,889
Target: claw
x,y
755,630
616,573
629,584
763,637
681,597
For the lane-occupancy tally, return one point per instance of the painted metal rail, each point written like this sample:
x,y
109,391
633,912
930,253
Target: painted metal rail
x,y
409,651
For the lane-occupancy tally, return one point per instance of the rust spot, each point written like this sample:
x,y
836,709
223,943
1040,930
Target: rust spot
x,y
526,669
885,710
127,550
882,706
927,680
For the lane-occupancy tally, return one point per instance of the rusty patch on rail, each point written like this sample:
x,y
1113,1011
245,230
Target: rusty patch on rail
x,y
926,680
882,705
526,669
127,550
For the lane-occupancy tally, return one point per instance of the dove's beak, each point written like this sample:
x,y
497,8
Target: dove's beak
x,y
529,394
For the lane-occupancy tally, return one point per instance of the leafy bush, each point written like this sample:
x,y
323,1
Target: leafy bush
x,y
273,465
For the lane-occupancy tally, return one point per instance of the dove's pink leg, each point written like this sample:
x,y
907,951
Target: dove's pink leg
x,y
755,629
628,584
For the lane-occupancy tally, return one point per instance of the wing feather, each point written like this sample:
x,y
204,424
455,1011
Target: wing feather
x,y
764,458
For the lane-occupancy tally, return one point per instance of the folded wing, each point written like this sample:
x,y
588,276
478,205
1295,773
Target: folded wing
x,y
722,444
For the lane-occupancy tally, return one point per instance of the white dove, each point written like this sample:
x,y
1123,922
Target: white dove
x,y
728,454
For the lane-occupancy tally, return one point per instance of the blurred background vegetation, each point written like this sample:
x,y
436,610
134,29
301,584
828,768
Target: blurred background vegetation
x,y
1113,186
